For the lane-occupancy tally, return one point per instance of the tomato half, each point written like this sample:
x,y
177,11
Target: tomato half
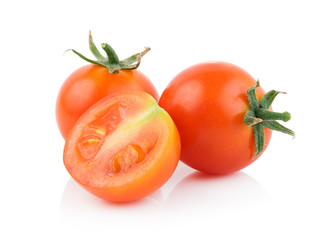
x,y
207,103
91,83
123,148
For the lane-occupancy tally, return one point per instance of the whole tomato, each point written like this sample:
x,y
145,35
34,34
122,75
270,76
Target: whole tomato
x,y
92,82
222,125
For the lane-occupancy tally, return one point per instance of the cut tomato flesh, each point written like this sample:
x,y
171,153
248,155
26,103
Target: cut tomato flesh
x,y
95,132
122,151
119,142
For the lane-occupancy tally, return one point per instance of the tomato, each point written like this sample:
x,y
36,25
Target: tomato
x,y
123,148
208,102
91,83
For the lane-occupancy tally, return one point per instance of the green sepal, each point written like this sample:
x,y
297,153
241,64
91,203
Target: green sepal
x,y
111,61
273,125
266,101
251,120
251,93
133,61
94,49
102,63
272,116
111,54
258,116
259,136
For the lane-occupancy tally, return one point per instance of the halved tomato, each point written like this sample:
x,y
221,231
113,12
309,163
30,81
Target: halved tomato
x,y
123,148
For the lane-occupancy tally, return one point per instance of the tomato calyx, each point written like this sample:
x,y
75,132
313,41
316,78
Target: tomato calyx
x,y
111,61
258,116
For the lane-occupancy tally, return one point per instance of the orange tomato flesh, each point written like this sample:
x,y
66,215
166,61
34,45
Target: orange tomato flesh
x,y
123,148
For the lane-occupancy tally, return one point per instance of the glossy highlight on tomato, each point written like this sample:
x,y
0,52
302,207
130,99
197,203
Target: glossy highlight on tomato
x,y
91,83
123,148
207,103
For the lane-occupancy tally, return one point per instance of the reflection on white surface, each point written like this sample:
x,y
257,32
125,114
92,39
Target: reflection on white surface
x,y
222,193
187,192
74,196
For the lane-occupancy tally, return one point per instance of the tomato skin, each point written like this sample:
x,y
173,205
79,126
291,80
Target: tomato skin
x,y
207,103
140,122
91,83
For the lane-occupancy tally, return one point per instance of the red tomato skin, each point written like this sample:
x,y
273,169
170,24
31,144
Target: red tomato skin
x,y
207,103
90,83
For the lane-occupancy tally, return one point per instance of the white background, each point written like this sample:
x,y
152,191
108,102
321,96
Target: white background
x,y
279,42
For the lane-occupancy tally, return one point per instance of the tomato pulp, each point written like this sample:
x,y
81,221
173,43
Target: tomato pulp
x,y
91,83
123,148
207,103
